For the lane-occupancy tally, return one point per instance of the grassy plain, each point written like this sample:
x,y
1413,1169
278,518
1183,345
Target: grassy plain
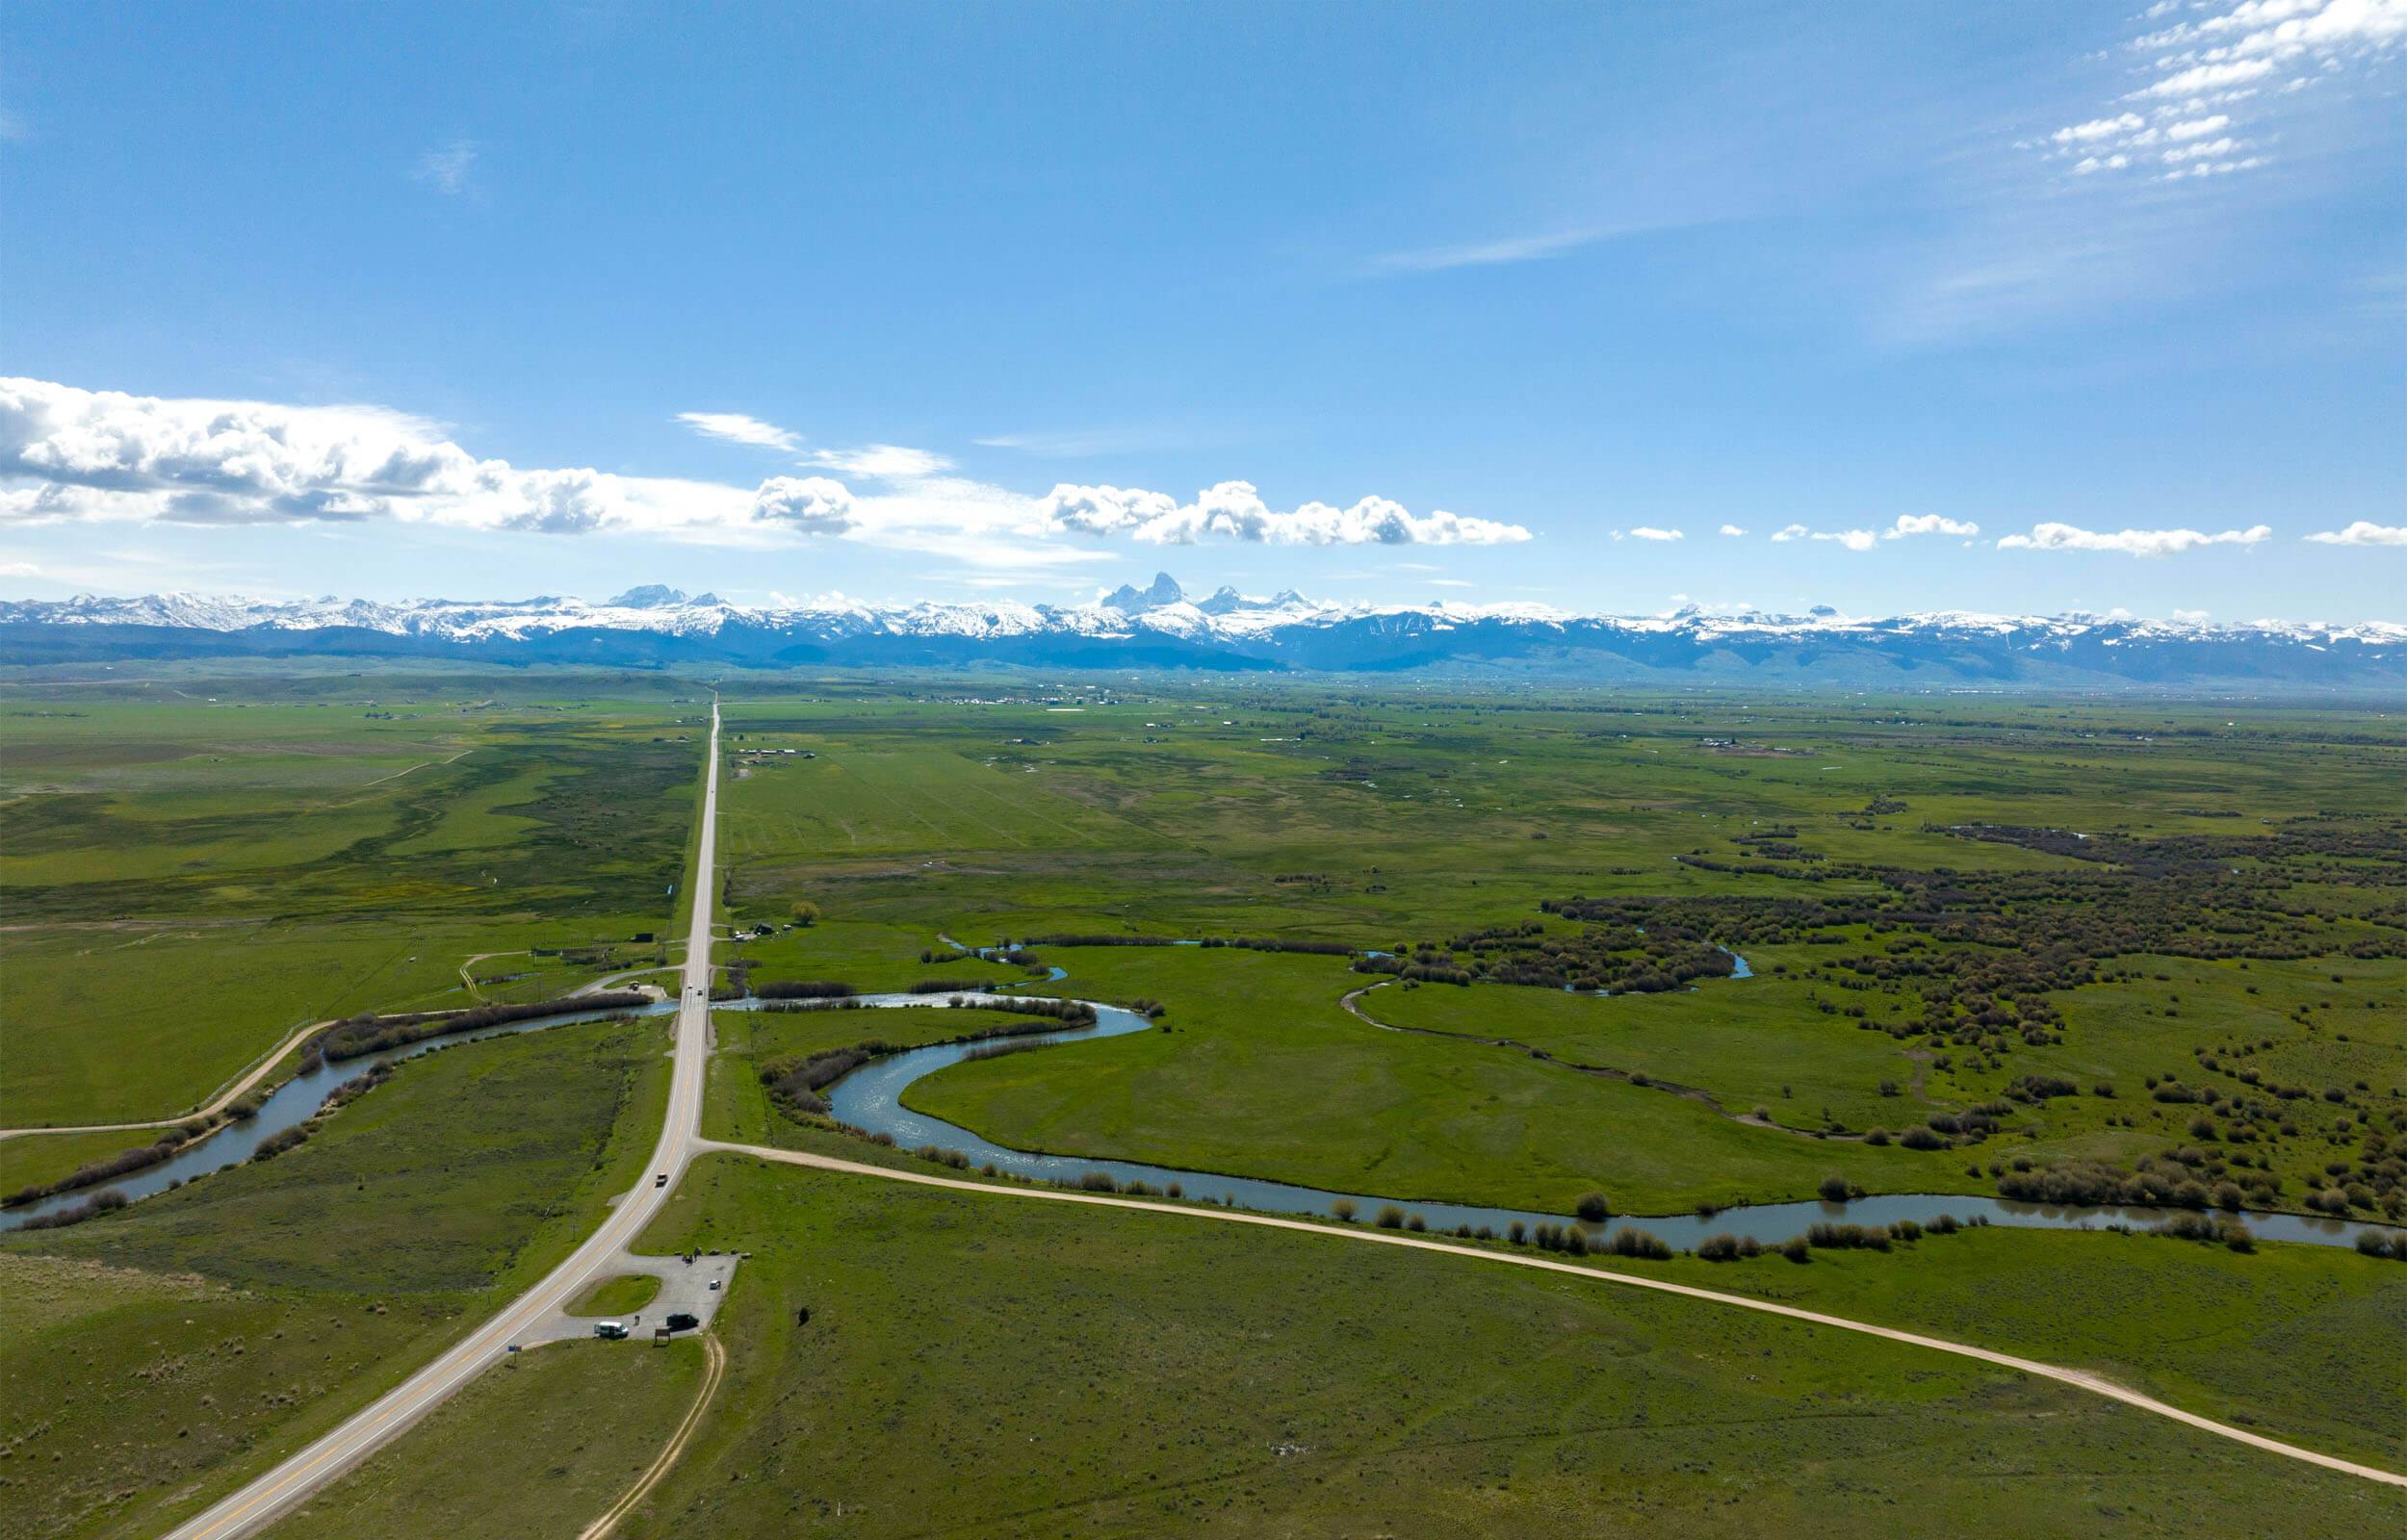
x,y
167,1350
1262,1074
192,871
538,1445
2309,1341
1060,1369
187,878
1408,820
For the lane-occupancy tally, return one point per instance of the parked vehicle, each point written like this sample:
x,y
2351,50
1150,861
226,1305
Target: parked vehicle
x,y
681,1320
610,1330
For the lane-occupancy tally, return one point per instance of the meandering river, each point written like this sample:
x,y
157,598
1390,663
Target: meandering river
x,y
872,1099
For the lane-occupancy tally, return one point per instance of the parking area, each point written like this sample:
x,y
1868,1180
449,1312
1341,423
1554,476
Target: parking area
x,y
695,1288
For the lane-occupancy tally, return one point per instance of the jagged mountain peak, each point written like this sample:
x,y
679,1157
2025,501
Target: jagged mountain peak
x,y
651,596
1129,600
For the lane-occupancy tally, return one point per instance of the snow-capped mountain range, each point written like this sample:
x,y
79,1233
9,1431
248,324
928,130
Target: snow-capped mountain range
x,y
1160,626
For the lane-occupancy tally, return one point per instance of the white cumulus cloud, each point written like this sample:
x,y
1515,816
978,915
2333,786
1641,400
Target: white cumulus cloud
x,y
1732,530
2098,128
2212,57
2129,542
1851,539
72,455
1929,523
814,504
1648,531
2364,532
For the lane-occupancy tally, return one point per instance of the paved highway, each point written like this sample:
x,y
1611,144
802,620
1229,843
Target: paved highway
x,y
291,1482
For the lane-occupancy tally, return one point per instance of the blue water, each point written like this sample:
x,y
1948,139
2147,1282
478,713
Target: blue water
x,y
870,1099
296,1101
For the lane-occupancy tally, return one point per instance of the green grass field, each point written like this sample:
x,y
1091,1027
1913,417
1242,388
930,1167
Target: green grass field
x,y
616,1297
1955,908
583,1422
1261,1074
1055,1370
1399,823
189,1335
189,879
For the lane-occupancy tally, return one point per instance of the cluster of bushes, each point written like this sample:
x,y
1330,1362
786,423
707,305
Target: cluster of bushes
x,y
2037,1088
1103,1182
2160,1181
834,1003
373,1034
1726,1247
1271,943
949,987
1624,959
795,1082
2390,1245
106,1170
2214,1229
1071,1013
804,990
1247,943
277,1142
1828,1238
351,1091
1425,969
99,1203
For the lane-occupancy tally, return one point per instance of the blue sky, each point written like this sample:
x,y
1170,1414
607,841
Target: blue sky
x,y
2033,307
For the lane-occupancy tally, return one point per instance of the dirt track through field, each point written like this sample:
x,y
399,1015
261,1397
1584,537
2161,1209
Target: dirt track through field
x,y
716,1370
2079,1380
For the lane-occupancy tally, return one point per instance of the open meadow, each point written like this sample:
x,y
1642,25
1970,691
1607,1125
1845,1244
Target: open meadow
x,y
1506,948
193,871
160,1354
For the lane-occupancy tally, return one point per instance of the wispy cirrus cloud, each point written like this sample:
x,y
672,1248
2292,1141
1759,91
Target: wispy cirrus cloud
x,y
885,462
736,427
1533,247
448,169
2131,542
